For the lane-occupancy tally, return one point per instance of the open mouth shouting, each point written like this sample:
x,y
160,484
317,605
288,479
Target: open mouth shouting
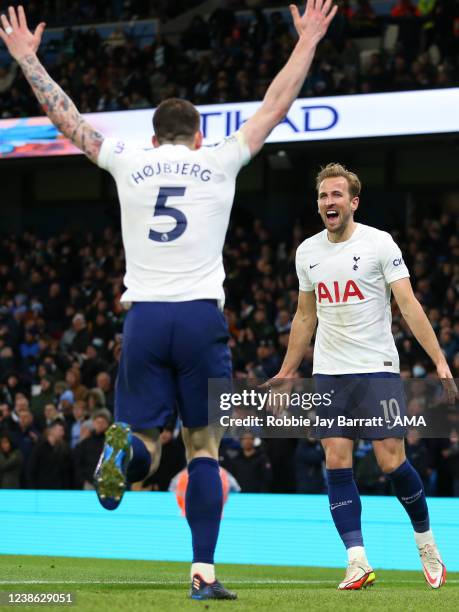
x,y
332,216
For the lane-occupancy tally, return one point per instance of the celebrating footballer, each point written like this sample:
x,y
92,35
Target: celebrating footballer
x,y
346,275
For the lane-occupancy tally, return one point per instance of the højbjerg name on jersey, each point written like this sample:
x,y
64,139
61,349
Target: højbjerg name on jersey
x,y
165,169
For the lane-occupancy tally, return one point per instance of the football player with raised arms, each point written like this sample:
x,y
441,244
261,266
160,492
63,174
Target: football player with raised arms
x,y
346,275
175,202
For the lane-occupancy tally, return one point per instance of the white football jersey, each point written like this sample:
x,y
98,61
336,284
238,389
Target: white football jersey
x,y
175,209
351,282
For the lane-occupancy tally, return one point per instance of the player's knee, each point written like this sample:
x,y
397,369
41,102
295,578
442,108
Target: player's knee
x,y
390,455
336,460
389,462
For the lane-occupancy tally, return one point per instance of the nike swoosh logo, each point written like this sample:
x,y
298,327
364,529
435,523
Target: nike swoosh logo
x,y
413,498
430,580
338,505
310,267
351,579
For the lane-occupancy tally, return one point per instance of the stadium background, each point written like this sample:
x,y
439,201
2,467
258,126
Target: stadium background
x,y
61,259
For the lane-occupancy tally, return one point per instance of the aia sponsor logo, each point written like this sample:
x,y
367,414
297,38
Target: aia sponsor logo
x,y
338,293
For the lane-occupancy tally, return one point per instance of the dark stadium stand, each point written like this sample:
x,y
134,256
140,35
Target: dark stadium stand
x,y
232,56
69,12
60,335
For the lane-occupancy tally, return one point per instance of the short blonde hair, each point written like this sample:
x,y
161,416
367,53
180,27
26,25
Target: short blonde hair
x,y
335,170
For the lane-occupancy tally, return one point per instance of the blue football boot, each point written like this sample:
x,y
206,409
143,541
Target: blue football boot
x,y
110,477
209,590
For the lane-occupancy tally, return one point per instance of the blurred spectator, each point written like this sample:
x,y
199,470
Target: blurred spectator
x,y
7,423
80,416
96,400
91,366
309,467
283,322
87,452
281,454
21,404
196,35
41,399
449,343
26,436
268,358
73,380
76,337
370,479
104,384
52,414
30,350
261,327
7,77
405,8
363,21
50,464
418,454
250,466
10,464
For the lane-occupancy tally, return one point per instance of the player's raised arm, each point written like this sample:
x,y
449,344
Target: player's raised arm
x,y
311,28
22,45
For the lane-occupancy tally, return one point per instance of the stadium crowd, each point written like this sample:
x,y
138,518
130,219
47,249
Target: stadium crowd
x,y
225,58
60,342
59,13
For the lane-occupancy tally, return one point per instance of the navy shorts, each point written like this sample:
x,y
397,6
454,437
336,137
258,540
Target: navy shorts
x,y
363,406
169,351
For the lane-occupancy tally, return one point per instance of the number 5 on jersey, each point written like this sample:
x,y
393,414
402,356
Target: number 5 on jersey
x,y
162,211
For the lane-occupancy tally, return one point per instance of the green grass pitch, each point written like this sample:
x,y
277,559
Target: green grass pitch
x,y
101,584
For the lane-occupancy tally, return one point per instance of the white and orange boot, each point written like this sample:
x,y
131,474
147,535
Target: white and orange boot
x,y
359,575
432,565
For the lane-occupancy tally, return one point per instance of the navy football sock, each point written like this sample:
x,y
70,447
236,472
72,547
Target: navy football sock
x,y
345,506
203,507
409,489
139,466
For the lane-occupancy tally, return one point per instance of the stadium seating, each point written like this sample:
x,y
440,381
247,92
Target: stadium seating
x,y
232,56
60,326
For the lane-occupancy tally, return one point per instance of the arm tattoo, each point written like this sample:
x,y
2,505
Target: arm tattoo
x,y
60,108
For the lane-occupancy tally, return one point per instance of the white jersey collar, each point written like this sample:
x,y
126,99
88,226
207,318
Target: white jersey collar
x,y
351,237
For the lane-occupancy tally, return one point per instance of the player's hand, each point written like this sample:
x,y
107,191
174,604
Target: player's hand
x,y
314,22
19,40
447,380
279,385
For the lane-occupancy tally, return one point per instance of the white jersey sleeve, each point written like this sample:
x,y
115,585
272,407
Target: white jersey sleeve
x,y
232,153
302,272
112,155
390,258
